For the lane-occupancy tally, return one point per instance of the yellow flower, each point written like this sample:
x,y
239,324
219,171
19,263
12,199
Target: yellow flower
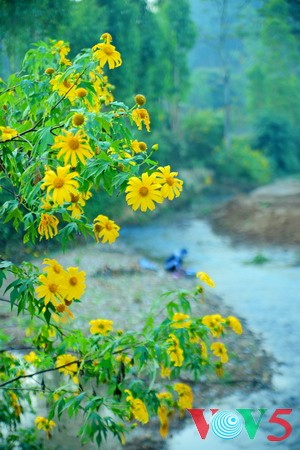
x,y
215,323
66,87
46,205
180,321
138,147
164,395
54,269
185,394
219,369
101,326
65,314
73,147
219,349
15,403
78,119
75,207
48,226
234,324
102,88
69,369
74,283
194,339
105,52
51,289
174,351
171,186
77,203
140,116
81,92
31,358
205,278
60,184
138,408
165,372
44,424
105,229
63,49
203,349
124,359
162,413
8,133
49,70
143,192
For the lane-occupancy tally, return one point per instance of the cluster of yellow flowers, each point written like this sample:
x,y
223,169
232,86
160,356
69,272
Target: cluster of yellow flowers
x,y
69,87
184,400
101,326
215,322
174,350
60,286
7,133
61,187
137,408
147,190
105,229
185,395
66,365
15,403
45,424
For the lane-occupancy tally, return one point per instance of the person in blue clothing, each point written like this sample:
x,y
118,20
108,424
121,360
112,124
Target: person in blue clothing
x,y
174,262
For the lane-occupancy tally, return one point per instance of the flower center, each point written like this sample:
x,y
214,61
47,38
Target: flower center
x,y
66,84
108,49
73,143
170,181
108,226
142,146
78,119
143,191
73,281
53,288
61,308
98,227
74,198
58,182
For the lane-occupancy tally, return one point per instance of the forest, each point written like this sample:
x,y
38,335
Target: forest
x,y
221,77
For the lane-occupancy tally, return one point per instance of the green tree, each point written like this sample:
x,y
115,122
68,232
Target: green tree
x,y
274,87
22,23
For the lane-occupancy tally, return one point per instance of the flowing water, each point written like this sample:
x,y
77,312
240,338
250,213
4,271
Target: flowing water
x,y
266,295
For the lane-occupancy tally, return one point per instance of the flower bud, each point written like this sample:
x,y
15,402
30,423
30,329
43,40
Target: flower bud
x,y
49,71
140,99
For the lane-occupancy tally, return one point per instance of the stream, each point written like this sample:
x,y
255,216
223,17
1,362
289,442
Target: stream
x,y
266,295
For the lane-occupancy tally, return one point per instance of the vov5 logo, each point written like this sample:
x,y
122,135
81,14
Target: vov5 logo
x,y
229,424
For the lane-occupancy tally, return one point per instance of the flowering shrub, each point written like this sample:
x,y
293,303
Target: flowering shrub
x,y
62,135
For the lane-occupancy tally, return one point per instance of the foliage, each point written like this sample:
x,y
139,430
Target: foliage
x,y
62,137
203,132
259,259
279,141
273,89
242,165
